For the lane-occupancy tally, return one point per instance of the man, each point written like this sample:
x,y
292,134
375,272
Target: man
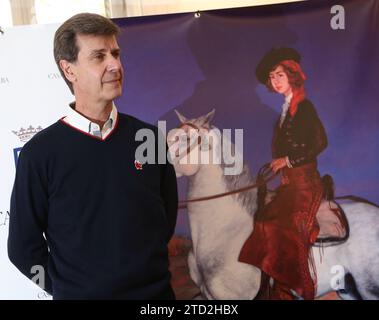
x,y
83,207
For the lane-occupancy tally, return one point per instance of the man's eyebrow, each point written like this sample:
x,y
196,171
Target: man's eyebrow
x,y
97,51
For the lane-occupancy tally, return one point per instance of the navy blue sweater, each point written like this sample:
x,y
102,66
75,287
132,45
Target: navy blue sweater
x,y
106,223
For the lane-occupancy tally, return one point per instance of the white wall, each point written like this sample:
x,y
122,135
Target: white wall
x,y
31,94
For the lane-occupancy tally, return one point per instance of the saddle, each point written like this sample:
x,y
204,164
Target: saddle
x,y
334,227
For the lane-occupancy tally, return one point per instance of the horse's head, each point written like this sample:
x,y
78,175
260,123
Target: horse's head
x,y
192,142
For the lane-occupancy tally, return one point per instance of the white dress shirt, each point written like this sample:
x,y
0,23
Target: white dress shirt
x,y
285,108
78,121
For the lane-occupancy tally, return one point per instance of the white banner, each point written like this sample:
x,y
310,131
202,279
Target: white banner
x,y
32,96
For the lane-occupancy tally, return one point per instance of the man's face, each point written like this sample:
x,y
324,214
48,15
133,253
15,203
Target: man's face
x,y
279,81
98,72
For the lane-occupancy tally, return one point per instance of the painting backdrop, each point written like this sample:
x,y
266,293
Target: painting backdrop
x,y
194,63
197,62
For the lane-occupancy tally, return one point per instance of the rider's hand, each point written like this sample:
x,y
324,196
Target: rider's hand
x,y
278,164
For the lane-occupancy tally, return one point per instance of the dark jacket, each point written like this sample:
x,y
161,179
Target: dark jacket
x,y
302,137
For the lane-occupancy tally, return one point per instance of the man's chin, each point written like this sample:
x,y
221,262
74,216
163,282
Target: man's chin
x,y
115,94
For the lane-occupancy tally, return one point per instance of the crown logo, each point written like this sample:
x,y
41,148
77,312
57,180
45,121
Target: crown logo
x,y
26,134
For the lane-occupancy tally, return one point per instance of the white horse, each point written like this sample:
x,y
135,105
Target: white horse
x,y
219,228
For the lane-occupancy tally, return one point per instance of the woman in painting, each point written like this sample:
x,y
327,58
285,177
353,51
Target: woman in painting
x,y
286,228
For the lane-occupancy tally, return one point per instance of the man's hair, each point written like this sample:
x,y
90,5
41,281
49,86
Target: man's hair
x,y
65,44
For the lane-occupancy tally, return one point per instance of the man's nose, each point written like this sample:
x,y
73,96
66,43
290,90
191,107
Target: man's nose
x,y
114,65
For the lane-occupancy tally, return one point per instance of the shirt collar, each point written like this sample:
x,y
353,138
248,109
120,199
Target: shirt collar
x,y
288,98
80,122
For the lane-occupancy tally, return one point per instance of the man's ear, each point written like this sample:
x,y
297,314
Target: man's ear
x,y
66,67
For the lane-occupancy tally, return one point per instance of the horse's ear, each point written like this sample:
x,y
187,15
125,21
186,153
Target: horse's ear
x,y
208,118
182,118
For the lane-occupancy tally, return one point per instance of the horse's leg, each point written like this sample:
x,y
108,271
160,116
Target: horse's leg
x,y
199,296
194,270
196,277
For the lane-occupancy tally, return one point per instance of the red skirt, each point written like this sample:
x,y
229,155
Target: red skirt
x,y
285,230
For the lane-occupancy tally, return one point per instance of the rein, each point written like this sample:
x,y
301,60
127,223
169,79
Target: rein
x,y
183,203
265,175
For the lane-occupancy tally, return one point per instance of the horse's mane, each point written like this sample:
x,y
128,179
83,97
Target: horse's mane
x,y
248,198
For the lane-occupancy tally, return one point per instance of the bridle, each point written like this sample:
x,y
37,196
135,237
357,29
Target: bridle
x,y
264,176
193,145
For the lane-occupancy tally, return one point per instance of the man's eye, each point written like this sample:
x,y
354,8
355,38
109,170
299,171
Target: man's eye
x,y
99,57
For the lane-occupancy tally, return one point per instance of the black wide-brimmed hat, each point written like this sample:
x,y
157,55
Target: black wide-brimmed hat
x,y
273,58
